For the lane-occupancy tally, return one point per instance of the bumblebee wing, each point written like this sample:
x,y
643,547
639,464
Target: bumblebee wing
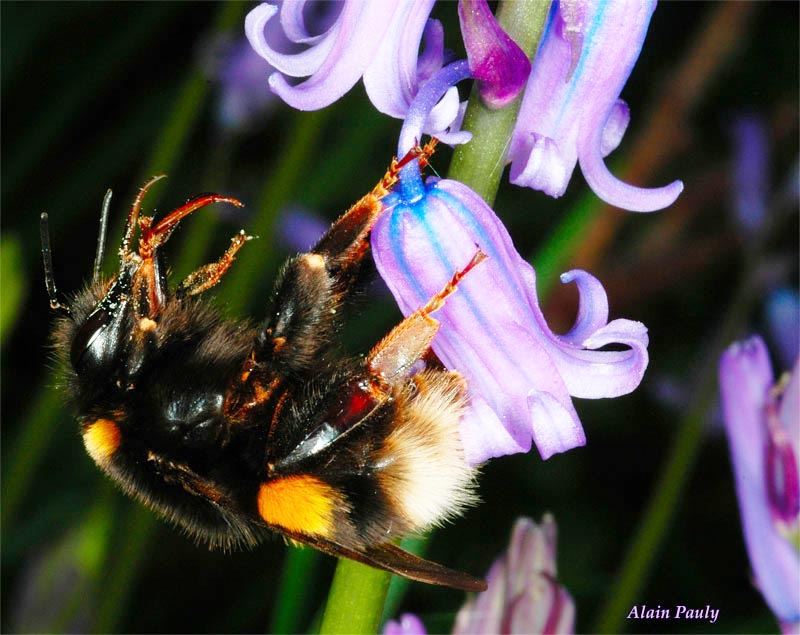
x,y
392,558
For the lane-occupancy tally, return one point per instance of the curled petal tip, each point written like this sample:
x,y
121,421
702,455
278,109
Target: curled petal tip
x,y
620,194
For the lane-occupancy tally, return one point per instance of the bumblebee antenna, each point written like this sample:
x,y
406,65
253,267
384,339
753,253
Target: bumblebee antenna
x,y
101,237
49,279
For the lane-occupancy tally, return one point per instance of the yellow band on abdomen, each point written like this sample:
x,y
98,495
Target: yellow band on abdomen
x,y
299,503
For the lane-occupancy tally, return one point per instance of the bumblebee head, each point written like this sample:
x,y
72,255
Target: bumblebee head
x,y
111,322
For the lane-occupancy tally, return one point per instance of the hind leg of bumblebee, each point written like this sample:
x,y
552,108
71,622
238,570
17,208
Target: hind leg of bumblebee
x,y
410,340
347,241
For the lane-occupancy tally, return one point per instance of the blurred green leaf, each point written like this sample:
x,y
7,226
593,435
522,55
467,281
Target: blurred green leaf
x,y
12,283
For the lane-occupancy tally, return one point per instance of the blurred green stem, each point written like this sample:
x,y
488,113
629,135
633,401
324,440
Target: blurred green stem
x,y
28,449
255,262
478,164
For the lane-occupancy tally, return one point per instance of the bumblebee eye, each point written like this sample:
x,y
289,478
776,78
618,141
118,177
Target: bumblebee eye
x,y
91,344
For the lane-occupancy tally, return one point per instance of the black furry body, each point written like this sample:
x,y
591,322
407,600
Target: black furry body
x,y
229,429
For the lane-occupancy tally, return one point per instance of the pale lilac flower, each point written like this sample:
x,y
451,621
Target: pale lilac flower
x,y
378,41
495,60
520,374
408,624
750,176
523,594
571,112
763,426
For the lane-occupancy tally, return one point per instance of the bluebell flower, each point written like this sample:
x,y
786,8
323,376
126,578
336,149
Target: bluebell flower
x,y
520,375
571,112
763,426
379,42
376,41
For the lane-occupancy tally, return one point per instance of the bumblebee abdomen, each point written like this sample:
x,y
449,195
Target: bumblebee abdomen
x,y
426,479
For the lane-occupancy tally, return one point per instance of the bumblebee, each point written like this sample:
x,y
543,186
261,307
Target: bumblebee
x,y
230,429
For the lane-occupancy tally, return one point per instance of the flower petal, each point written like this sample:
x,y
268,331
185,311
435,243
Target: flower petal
x,y
616,125
592,307
573,102
431,59
746,377
419,114
293,22
523,595
391,76
789,413
478,443
555,428
300,64
610,188
540,165
350,46
409,624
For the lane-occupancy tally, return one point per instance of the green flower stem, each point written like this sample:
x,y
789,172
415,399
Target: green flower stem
x,y
480,163
355,603
417,545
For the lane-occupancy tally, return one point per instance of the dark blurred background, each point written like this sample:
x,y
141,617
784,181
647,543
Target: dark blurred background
x,y
99,95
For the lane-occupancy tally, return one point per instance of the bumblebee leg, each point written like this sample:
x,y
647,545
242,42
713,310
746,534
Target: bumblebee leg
x,y
346,243
311,287
209,275
303,317
410,340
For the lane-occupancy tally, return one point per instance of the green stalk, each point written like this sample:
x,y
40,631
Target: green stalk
x,y
355,601
480,163
358,593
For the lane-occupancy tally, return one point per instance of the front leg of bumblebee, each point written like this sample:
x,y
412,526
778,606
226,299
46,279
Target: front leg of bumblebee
x,y
230,430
